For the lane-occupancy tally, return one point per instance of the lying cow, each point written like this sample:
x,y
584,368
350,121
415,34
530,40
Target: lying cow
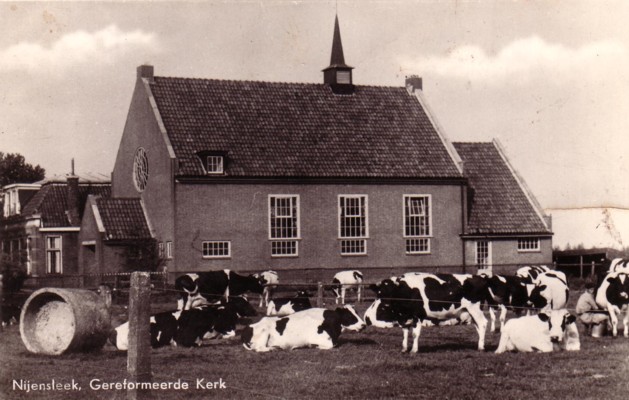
x,y
613,295
289,305
210,322
268,279
416,297
189,327
201,288
345,280
163,328
315,327
542,332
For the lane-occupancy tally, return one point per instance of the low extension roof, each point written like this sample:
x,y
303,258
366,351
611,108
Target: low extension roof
x,y
51,202
123,219
499,204
300,130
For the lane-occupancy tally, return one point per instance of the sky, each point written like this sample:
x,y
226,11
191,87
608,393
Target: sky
x,y
548,79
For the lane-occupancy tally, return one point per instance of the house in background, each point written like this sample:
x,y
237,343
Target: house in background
x,y
307,177
41,221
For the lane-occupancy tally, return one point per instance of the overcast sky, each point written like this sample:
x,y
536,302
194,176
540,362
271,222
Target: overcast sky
x,y
549,79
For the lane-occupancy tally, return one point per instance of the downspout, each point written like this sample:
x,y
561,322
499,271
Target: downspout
x,y
463,225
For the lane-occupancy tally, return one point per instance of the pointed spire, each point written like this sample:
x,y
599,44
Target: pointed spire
x,y
337,73
337,59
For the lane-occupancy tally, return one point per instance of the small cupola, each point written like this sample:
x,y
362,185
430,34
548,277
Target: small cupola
x,y
338,75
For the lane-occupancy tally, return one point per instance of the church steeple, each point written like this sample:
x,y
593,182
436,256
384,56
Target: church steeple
x,y
338,74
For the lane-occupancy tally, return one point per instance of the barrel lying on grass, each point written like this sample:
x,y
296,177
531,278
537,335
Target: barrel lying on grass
x,y
55,321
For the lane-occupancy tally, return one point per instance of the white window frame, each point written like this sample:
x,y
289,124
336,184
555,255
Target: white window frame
x,y
57,251
489,260
160,250
346,240
409,238
169,250
280,242
216,242
214,164
529,245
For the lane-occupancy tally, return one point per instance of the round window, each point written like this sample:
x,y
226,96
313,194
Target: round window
x,y
140,169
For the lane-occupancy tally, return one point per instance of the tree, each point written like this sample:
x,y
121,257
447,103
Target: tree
x,y
14,169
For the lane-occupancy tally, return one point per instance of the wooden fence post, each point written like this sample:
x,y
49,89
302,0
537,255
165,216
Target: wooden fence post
x,y
139,353
593,270
1,298
319,294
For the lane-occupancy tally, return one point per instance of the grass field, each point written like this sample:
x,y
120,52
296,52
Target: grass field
x,y
366,365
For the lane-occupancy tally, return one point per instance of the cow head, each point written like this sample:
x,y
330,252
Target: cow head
x,y
241,306
350,320
538,298
562,328
384,289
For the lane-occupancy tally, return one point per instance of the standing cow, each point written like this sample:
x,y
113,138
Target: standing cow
x,y
268,279
550,291
201,288
619,265
506,292
416,297
345,280
530,273
542,332
613,295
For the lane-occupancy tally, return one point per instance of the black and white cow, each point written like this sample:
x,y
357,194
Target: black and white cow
x,y
613,295
416,297
506,292
345,280
200,288
315,327
530,273
212,321
550,292
542,332
619,265
289,305
269,279
163,331
189,327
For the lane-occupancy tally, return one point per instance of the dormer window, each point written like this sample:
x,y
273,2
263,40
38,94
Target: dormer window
x,y
214,164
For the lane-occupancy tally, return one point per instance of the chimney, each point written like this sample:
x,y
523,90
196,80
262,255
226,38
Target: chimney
x,y
145,71
413,83
73,198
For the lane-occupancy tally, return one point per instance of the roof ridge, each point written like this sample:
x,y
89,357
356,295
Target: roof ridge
x,y
269,82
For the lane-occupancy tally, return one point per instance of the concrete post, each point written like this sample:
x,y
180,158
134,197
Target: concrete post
x,y
319,294
139,353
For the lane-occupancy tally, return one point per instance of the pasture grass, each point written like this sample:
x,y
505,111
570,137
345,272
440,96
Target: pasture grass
x,y
365,365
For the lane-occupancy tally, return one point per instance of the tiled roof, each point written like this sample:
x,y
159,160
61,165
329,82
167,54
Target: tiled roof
x,y
498,204
51,202
84,177
300,130
123,219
